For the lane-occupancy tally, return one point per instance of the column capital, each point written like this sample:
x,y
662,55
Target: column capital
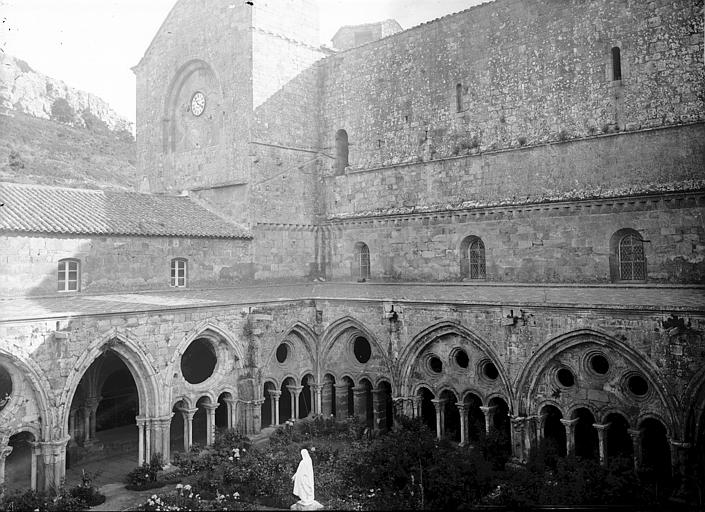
x,y
569,423
210,407
462,406
635,433
438,403
488,409
187,413
316,387
601,427
274,394
295,389
341,385
357,390
5,451
232,401
680,444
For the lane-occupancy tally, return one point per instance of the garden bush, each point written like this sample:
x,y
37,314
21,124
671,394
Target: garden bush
x,y
146,476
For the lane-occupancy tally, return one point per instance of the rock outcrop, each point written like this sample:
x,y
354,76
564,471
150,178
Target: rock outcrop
x,y
25,90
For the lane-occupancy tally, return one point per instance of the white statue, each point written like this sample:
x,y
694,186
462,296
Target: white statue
x,y
303,484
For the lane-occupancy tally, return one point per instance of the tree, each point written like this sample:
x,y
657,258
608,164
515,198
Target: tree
x,y
62,112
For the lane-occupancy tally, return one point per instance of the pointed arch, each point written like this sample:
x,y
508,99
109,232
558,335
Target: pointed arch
x,y
424,338
308,339
347,326
532,371
694,411
139,362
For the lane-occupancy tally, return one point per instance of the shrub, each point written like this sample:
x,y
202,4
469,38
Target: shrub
x,y
62,112
15,160
145,476
42,501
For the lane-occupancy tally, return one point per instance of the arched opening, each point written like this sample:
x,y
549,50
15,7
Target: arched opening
x,y
618,442
655,467
341,152
451,416
476,418
365,407
627,256
616,63
472,258
500,423
459,97
305,397
554,438
221,413
428,411
586,439
351,396
178,437
385,406
328,402
103,411
18,465
200,422
286,411
361,262
267,413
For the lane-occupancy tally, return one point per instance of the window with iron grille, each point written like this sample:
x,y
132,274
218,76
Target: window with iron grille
x,y
179,268
362,259
477,259
69,275
632,262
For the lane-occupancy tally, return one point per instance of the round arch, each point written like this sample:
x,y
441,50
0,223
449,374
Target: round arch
x,y
532,371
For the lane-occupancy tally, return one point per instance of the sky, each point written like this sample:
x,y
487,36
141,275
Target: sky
x,y
92,44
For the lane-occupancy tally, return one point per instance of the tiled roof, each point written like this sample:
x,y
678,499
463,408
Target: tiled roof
x,y
44,209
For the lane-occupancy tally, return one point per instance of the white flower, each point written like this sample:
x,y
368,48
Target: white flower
x,y
230,459
187,487
179,486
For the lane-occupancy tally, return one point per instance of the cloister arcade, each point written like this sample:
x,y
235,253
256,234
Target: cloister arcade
x,y
582,394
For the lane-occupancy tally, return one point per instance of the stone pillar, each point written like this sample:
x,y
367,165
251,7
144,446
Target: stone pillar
x,y
464,433
327,399
140,440
163,444
417,401
256,408
4,453
399,409
601,434
636,447
519,449
317,398
489,415
86,413
569,426
92,404
540,422
54,455
294,392
341,401
274,400
210,422
379,409
680,452
360,395
188,415
439,404
36,450
72,425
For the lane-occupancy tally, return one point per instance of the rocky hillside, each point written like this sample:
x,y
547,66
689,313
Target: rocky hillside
x,y
52,134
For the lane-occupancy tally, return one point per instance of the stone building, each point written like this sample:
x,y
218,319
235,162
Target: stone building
x,y
493,220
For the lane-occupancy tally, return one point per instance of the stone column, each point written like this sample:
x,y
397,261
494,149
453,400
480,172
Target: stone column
x,y
92,404
4,453
417,401
439,404
163,423
601,438
274,400
379,409
86,412
464,433
317,398
256,408
489,415
399,409
569,426
230,404
327,399
140,439
35,451
188,415
519,451
54,455
210,422
294,392
360,395
636,447
680,452
540,422
72,425
341,401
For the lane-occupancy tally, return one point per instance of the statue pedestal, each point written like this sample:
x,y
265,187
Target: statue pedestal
x,y
314,505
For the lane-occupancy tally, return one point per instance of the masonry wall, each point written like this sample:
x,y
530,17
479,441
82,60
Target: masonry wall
x,y
120,263
284,252
530,72
565,242
205,49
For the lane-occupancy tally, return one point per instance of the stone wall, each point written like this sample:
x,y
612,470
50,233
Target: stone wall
x,y
528,72
121,263
567,242
284,252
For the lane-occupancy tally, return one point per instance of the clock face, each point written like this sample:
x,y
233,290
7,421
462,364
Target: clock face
x,y
198,103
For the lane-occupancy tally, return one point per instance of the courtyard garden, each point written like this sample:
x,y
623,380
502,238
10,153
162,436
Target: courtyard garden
x,y
404,469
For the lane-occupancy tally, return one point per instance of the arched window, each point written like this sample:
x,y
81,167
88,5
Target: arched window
x,y
627,256
341,152
179,272
472,258
69,275
616,64
362,260
459,97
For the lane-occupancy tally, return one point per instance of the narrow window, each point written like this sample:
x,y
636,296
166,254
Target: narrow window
x,y
477,259
616,64
632,262
459,98
68,275
179,267
362,260
341,151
